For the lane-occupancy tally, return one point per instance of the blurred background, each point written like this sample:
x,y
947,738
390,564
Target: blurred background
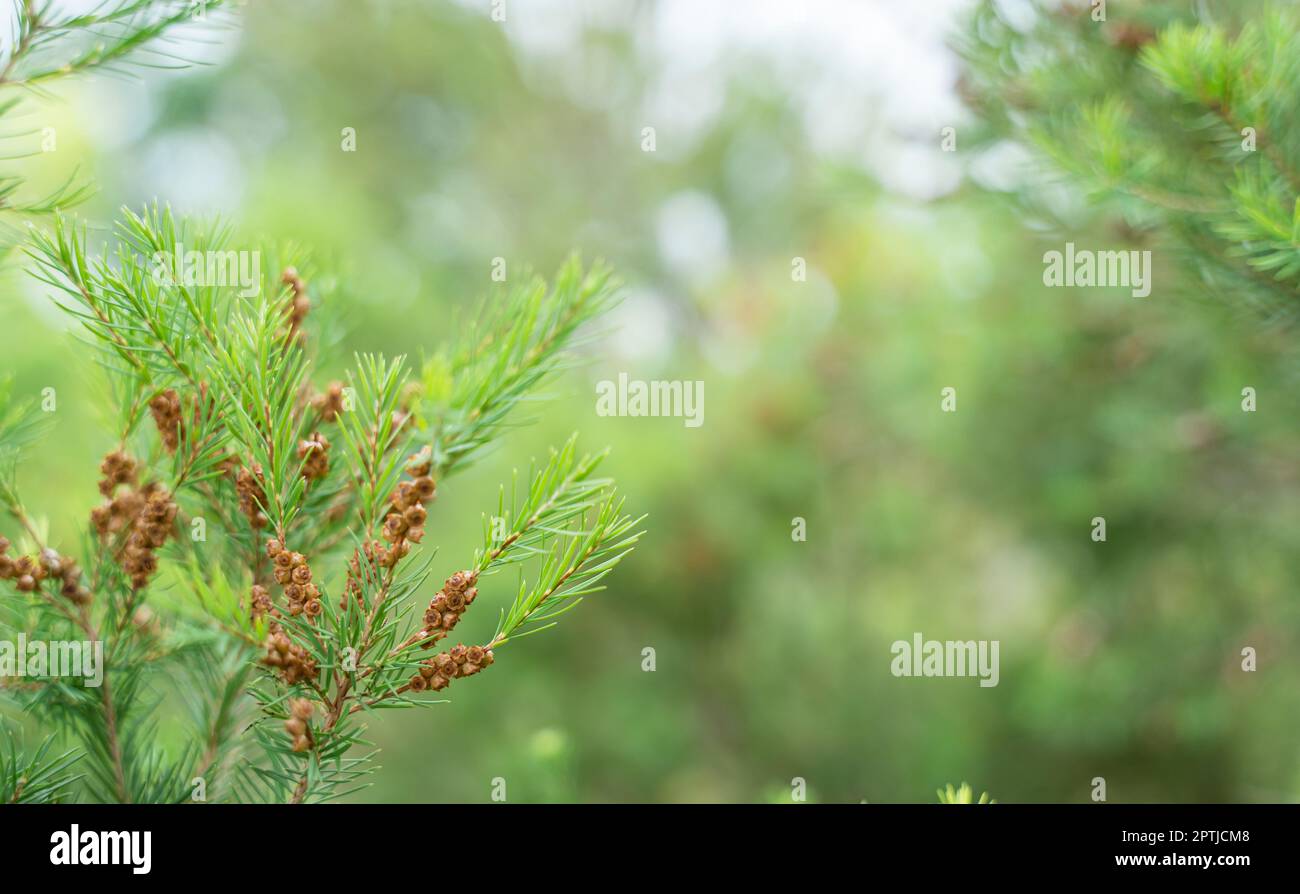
x,y
780,132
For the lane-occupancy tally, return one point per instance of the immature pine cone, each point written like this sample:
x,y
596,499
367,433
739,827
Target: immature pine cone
x,y
252,497
290,658
403,525
28,572
314,452
447,606
259,602
149,531
147,515
117,468
329,403
299,303
300,711
437,672
166,410
292,572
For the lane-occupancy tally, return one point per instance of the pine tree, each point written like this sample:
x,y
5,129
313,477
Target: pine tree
x,y
292,517
258,552
44,43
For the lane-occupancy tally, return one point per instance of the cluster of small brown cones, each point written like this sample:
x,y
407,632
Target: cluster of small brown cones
x,y
403,524
444,612
291,659
329,403
27,572
252,496
447,606
300,711
166,410
437,672
165,407
293,573
152,527
117,468
146,514
314,453
299,303
260,604
119,513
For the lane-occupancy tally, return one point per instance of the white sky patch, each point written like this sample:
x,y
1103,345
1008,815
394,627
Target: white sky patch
x,y
876,79
197,169
1002,167
124,110
692,235
641,327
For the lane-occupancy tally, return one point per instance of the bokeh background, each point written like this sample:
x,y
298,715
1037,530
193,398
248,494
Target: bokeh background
x,y
782,131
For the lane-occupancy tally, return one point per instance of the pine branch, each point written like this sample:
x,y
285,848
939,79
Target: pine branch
x,y
43,778
561,490
574,567
239,442
1186,125
509,353
50,43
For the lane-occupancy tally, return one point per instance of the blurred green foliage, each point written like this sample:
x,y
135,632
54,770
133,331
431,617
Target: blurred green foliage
x,y
1120,659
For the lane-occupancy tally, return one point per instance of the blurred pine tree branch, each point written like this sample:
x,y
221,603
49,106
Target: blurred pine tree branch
x,y
1184,126
44,42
